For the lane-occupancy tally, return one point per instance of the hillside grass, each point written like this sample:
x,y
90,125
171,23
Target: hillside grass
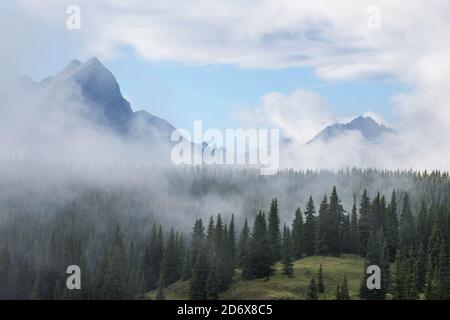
x,y
282,287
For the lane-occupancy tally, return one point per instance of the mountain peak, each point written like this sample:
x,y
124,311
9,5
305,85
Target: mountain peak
x,y
99,89
366,126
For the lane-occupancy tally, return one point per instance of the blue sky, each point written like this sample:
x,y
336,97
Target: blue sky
x,y
169,80
183,93
209,60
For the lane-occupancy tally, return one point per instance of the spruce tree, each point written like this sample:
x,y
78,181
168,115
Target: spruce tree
x,y
354,243
331,229
231,250
390,228
212,288
161,283
244,241
312,293
309,239
274,231
346,235
287,256
323,228
423,228
198,239
342,290
187,265
153,257
444,272
320,284
297,234
172,266
261,260
421,268
199,277
376,255
364,223
338,229
397,284
407,228
115,286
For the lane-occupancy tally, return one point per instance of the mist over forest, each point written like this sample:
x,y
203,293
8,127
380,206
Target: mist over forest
x,y
88,175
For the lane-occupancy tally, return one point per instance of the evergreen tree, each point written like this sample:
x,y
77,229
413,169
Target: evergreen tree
x,y
346,235
323,228
222,255
287,253
338,230
198,238
274,231
320,284
423,228
162,282
376,255
342,290
261,260
377,213
421,268
231,250
354,243
210,234
187,265
390,228
171,259
243,244
330,231
404,286
212,288
364,223
297,234
115,282
444,272
407,231
153,257
309,239
432,291
397,285
199,277
312,293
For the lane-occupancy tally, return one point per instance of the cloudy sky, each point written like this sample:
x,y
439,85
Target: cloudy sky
x,y
296,65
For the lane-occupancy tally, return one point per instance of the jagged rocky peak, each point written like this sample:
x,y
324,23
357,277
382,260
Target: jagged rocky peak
x,y
366,126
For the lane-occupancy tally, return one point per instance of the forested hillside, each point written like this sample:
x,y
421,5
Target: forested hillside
x,y
230,224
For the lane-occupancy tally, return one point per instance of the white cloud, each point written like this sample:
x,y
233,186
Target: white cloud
x,y
300,115
331,36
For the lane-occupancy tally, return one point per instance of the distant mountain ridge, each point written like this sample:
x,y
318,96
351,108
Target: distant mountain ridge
x,y
366,126
96,88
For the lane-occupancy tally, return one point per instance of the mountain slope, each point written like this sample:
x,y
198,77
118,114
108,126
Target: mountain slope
x,y
366,126
282,287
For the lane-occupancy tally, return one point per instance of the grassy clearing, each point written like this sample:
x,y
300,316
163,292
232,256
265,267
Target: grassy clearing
x,y
279,286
